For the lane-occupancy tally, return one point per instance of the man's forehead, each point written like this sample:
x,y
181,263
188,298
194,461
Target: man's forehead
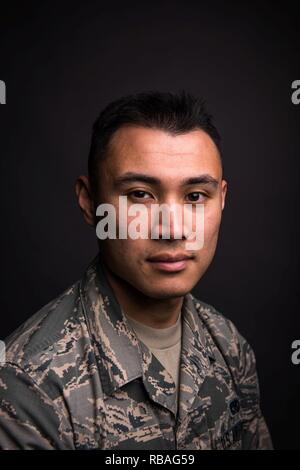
x,y
150,151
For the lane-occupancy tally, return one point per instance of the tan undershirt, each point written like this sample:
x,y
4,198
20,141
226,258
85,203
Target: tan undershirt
x,y
164,343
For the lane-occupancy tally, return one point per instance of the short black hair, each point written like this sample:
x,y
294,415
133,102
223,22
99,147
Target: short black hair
x,y
175,113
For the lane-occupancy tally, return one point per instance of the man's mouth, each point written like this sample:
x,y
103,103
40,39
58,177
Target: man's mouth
x,y
170,262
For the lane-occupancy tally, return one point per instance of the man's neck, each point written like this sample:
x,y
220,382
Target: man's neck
x,y
157,313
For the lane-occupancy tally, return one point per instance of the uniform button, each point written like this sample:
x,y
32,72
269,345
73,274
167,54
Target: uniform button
x,y
234,406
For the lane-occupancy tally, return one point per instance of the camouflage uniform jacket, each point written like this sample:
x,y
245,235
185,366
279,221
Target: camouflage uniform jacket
x,y
77,377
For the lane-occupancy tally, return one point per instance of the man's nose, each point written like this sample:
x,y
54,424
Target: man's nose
x,y
167,221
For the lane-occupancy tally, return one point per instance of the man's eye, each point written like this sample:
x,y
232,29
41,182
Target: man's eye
x,y
196,197
139,194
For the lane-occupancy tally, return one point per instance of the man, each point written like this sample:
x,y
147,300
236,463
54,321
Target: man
x,y
127,358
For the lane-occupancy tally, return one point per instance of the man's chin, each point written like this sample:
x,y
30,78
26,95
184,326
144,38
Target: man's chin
x,y
162,293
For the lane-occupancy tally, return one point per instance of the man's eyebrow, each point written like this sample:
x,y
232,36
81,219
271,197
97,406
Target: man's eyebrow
x,y
130,177
201,179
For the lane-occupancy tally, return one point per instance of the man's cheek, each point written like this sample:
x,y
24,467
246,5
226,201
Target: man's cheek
x,y
211,229
126,252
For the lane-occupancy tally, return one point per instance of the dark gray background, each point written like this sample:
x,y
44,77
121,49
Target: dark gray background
x,y
63,63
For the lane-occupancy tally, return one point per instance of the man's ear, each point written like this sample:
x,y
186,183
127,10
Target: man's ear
x,y
85,200
224,192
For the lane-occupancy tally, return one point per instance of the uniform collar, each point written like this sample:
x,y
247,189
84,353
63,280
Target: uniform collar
x,y
121,357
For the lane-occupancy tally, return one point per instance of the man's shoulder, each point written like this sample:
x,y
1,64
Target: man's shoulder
x,y
213,318
36,340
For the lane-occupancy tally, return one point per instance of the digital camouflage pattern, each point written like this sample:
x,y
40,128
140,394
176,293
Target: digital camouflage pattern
x,y
77,377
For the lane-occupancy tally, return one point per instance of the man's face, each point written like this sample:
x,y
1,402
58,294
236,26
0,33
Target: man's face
x,y
170,161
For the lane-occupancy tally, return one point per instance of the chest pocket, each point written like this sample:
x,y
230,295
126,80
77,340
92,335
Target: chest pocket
x,y
230,439
224,412
129,421
215,425
226,433
221,404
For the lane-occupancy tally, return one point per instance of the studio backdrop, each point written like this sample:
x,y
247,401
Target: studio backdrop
x,y
60,64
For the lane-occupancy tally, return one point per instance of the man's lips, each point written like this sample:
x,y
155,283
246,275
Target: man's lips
x,y
170,262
